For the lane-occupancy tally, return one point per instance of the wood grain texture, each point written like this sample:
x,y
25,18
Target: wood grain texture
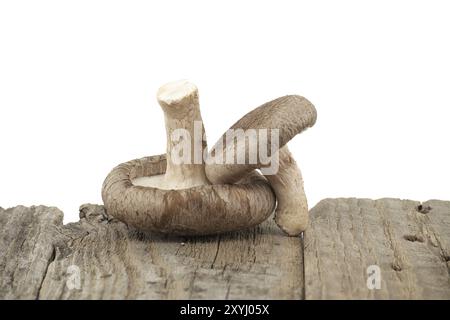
x,y
40,257
409,241
26,249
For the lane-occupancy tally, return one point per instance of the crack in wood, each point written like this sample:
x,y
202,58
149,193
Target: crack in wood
x,y
49,262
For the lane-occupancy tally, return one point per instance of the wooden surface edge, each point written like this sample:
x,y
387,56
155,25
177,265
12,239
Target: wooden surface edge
x,y
101,258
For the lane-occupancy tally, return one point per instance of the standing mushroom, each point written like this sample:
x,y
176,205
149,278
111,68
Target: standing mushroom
x,y
162,194
290,115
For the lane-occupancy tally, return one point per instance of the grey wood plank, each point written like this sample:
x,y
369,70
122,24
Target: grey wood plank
x,y
100,258
26,249
407,240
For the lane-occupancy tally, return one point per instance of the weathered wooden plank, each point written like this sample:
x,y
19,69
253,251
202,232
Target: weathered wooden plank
x,y
26,249
100,258
407,240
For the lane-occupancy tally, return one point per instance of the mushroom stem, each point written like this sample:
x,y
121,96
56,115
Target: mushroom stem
x,y
185,135
291,214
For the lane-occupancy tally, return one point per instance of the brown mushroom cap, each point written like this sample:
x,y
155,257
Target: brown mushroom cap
x,y
290,114
200,210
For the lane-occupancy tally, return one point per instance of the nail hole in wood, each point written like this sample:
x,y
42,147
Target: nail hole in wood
x,y
423,209
396,267
413,238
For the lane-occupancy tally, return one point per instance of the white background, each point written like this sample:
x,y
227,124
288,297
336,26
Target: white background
x,y
78,82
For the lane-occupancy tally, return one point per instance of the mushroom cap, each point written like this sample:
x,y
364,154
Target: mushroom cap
x,y
200,210
289,114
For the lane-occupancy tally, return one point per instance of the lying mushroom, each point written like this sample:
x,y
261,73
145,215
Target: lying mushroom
x,y
291,115
161,194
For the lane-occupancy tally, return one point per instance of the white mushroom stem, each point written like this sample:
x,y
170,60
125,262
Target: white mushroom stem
x,y
185,138
291,214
